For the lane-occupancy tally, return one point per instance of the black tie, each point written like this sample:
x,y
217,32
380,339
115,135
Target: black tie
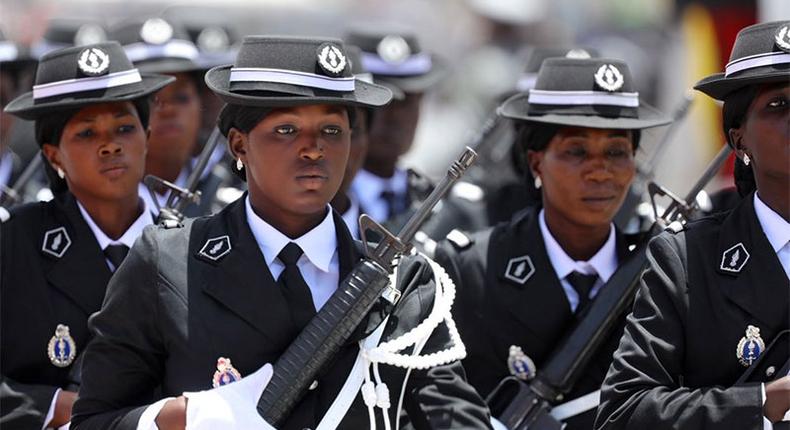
x,y
116,254
583,284
294,288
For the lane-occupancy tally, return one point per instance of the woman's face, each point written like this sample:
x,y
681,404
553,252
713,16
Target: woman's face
x,y
764,135
295,158
585,173
102,151
175,121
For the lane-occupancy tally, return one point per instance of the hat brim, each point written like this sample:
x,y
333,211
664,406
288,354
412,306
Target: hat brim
x,y
169,65
417,83
718,87
268,94
517,107
25,107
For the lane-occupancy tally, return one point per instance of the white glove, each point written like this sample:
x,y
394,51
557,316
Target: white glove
x,y
230,406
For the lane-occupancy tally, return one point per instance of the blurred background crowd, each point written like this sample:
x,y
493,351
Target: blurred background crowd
x,y
669,44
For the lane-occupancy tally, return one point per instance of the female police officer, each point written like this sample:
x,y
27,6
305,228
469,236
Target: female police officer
x,y
715,295
90,109
524,283
222,296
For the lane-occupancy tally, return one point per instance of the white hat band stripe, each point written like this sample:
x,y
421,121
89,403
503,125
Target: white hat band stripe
x,y
526,82
172,49
69,86
545,97
8,51
756,61
282,76
414,65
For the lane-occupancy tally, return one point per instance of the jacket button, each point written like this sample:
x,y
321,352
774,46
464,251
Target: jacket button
x,y
770,371
313,386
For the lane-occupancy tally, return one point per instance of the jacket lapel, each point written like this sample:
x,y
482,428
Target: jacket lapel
x,y
538,303
749,271
240,280
81,272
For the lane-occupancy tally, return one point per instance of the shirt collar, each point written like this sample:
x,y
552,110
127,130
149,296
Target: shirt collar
x,y
318,244
128,237
776,229
603,263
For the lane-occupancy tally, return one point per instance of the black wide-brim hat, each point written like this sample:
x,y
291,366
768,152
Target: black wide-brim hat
x,y
156,45
84,75
583,92
396,60
290,71
761,55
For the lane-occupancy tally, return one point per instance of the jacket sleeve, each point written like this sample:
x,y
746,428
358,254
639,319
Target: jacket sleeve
x,y
644,387
123,363
438,397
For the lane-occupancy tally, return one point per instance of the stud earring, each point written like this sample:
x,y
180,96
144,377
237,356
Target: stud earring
x,y
746,159
61,173
239,164
538,182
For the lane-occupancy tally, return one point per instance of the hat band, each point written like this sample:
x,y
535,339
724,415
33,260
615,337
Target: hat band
x,y
574,98
173,49
8,51
526,82
753,61
417,64
69,86
292,77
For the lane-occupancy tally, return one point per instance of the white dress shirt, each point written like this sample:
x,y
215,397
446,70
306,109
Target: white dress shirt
x,y
368,188
351,216
319,263
603,263
127,238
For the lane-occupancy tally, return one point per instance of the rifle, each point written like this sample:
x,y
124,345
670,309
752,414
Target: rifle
x,y
179,198
12,196
316,346
646,170
520,405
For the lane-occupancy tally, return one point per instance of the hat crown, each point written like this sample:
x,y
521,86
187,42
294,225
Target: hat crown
x,y
759,39
64,64
297,54
584,74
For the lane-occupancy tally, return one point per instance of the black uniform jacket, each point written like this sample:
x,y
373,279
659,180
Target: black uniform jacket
x,y
493,312
38,291
171,313
676,365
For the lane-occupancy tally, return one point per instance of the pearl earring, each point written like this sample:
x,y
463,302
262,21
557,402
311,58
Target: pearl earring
x,y
239,164
61,173
746,159
538,182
